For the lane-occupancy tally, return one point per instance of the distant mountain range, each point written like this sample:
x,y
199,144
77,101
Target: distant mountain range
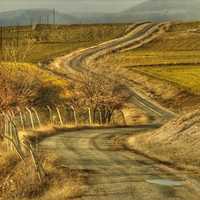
x,y
151,10
35,16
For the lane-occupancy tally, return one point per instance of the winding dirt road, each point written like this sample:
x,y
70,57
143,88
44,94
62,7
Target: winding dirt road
x,y
116,173
138,35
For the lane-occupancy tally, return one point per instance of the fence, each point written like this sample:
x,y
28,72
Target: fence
x,y
59,115
24,118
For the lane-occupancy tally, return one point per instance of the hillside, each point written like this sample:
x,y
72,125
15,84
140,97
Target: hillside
x,y
157,10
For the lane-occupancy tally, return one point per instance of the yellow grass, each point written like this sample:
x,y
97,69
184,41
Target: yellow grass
x,y
19,180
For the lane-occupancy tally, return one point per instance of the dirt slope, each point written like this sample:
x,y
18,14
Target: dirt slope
x,y
178,141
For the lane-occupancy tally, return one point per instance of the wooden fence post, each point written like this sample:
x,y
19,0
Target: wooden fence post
x,y
21,119
90,116
38,166
50,114
31,117
59,116
100,117
75,116
37,116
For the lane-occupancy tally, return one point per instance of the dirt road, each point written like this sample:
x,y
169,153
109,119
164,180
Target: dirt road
x,y
139,34
114,173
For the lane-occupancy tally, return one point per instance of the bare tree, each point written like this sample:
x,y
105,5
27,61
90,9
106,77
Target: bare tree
x,y
16,88
99,93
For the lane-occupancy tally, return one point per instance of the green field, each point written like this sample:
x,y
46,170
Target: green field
x,y
187,77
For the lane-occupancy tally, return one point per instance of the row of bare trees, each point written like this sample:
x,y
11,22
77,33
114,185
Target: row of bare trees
x,y
104,95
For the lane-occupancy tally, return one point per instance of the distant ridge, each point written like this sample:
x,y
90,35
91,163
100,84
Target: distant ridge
x,y
159,10
35,16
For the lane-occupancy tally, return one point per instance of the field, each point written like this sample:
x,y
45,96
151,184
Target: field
x,y
51,41
187,77
171,59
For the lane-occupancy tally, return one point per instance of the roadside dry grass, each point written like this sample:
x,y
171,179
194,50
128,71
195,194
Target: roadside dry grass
x,y
19,180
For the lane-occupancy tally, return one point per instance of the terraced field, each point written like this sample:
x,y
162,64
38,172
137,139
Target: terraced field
x,y
187,77
170,61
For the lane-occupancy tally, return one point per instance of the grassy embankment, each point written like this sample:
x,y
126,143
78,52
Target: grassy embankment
x,y
170,63
176,143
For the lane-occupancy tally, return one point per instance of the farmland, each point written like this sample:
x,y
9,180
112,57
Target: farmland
x,y
48,41
171,61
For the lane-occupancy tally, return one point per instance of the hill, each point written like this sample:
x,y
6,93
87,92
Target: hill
x,y
156,10
31,16
177,142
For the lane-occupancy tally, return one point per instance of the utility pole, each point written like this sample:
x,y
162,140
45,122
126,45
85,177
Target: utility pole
x,y
1,41
1,38
17,27
40,20
47,19
54,16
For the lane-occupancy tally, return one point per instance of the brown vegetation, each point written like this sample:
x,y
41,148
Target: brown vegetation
x,y
19,180
26,85
102,95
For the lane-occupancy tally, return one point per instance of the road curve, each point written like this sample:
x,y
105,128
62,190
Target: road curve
x,y
114,173
137,36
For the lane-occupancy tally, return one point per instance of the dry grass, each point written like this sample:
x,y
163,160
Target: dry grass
x,y
19,180
151,58
28,85
177,142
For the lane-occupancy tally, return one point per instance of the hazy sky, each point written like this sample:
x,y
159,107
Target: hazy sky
x,y
70,5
